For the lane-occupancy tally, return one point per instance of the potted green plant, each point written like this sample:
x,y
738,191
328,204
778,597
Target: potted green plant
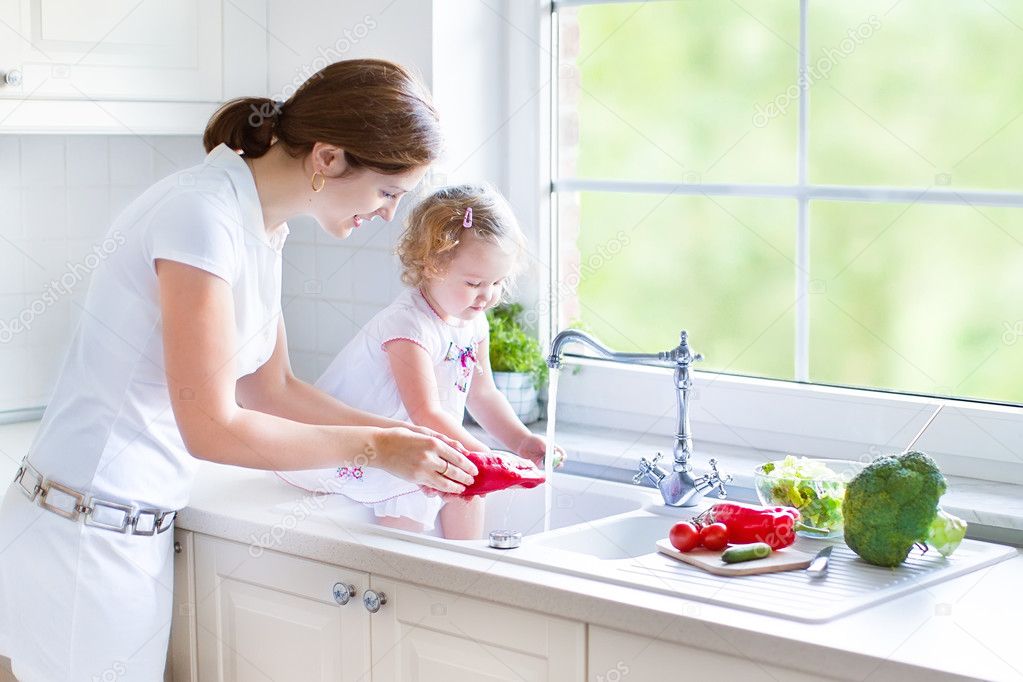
x,y
518,363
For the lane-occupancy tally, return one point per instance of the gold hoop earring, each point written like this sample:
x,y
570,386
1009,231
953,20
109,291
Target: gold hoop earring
x,y
323,181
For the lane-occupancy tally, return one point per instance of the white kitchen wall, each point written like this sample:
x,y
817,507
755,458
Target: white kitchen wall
x,y
58,194
332,287
57,197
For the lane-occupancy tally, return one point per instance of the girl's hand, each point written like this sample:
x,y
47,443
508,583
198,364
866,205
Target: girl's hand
x,y
534,448
421,458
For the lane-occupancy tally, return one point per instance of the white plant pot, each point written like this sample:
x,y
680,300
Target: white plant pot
x,y
518,388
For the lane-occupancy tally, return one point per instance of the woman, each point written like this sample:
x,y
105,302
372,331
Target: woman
x,y
181,355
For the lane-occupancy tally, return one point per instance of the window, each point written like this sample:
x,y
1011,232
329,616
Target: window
x,y
817,191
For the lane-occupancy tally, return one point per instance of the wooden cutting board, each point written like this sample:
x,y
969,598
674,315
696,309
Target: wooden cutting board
x,y
787,559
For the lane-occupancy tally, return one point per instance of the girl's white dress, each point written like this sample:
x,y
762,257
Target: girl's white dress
x,y
360,376
79,602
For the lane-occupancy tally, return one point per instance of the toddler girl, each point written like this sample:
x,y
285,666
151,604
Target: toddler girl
x,y
425,358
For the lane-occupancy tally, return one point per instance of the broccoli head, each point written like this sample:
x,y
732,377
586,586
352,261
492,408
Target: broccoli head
x,y
889,507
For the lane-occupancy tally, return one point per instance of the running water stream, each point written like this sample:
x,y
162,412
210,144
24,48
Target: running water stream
x,y
548,460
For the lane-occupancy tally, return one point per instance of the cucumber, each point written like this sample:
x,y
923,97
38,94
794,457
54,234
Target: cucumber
x,y
738,553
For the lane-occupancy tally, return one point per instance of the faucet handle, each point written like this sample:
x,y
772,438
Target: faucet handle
x,y
683,352
649,464
716,479
647,468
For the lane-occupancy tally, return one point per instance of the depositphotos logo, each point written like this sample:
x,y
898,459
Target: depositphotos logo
x,y
73,275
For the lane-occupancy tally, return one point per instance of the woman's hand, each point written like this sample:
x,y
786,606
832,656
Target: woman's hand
x,y
534,447
447,497
438,435
428,490
421,458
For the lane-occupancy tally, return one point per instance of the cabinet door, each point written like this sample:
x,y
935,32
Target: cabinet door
x,y
424,634
183,51
619,656
268,616
116,49
181,655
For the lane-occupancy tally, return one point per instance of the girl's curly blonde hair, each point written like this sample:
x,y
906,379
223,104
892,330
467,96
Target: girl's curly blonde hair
x,y
436,225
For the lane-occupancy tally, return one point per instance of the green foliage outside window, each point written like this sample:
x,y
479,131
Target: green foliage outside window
x,y
913,297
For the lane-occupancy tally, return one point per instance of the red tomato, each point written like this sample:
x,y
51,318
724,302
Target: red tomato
x,y
714,536
684,536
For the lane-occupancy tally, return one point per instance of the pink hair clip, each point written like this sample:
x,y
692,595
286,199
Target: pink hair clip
x,y
467,220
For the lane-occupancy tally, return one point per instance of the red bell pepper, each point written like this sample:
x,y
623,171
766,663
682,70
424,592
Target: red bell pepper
x,y
500,470
749,523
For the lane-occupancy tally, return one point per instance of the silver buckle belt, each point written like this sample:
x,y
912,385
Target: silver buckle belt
x,y
106,514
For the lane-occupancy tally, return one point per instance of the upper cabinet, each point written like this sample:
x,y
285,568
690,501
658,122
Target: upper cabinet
x,y
123,66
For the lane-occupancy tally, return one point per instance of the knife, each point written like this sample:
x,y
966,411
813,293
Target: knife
x,y
819,566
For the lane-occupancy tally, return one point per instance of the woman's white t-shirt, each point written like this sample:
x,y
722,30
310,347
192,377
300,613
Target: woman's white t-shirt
x,y
77,599
109,428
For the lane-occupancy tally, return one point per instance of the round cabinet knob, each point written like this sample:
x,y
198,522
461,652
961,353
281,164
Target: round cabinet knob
x,y
12,78
373,600
343,593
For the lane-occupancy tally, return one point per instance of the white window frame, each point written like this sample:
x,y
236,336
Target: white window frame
x,y
969,438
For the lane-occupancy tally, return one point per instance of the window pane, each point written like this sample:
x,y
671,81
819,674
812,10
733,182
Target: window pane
x,y
644,267
916,93
671,90
918,298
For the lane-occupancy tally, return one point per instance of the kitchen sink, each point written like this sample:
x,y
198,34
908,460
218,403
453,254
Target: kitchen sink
x,y
607,531
574,500
620,537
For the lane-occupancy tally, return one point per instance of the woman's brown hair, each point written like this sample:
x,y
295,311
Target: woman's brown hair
x,y
375,110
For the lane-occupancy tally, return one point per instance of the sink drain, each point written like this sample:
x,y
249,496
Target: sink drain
x,y
505,539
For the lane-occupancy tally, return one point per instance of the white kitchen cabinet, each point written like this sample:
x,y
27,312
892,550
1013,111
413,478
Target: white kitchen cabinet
x,y
181,654
262,615
425,634
127,66
620,656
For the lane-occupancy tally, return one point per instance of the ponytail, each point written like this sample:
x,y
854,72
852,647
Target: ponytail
x,y
245,123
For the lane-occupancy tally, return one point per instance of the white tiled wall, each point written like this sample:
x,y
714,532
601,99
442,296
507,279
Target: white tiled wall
x,y
332,287
57,197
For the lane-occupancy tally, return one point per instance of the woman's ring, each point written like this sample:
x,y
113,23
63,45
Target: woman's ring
x,y
445,469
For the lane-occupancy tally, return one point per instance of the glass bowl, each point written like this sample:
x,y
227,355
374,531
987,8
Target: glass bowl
x,y
813,486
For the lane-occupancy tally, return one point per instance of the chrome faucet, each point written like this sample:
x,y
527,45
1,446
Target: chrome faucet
x,y
678,488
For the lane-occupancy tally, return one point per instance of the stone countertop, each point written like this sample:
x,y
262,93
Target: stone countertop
x,y
963,628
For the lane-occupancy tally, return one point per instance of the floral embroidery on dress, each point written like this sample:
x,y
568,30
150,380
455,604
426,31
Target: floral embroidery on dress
x,y
466,359
349,472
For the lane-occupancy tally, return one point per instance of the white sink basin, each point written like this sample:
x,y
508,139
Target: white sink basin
x,y
613,538
574,500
